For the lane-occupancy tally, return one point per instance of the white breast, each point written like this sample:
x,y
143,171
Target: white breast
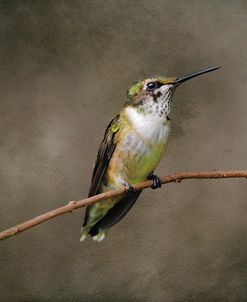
x,y
150,127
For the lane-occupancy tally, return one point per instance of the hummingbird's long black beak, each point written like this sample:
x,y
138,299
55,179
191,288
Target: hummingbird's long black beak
x,y
195,74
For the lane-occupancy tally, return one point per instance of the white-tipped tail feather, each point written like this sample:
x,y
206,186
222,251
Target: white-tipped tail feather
x,y
84,233
99,237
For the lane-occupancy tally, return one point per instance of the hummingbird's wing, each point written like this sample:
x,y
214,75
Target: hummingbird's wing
x,y
104,155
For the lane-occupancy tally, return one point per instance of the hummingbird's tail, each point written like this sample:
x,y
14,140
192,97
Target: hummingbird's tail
x,y
85,231
100,236
99,230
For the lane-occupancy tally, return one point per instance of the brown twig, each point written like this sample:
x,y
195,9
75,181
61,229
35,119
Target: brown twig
x,y
73,205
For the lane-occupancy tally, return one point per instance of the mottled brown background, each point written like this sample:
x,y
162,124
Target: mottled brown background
x,y
65,69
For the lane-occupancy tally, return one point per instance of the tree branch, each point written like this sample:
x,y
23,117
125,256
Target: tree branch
x,y
73,205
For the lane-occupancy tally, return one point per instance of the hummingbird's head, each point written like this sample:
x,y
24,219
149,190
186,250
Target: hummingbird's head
x,y
154,95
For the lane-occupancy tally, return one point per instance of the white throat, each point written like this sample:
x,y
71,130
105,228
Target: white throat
x,y
151,127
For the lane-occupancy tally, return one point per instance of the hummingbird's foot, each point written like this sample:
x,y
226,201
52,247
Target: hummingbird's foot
x,y
129,187
156,181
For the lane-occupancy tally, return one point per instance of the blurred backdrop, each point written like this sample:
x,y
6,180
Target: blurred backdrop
x,y
65,69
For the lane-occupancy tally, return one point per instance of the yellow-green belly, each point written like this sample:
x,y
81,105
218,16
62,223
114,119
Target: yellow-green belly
x,y
132,161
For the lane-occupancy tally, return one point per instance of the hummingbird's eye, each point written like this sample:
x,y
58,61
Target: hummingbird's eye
x,y
151,85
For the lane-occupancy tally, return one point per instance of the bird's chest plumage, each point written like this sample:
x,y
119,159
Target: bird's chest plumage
x,y
140,148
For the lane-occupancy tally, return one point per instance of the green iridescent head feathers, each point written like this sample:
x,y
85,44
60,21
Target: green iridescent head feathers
x,y
134,90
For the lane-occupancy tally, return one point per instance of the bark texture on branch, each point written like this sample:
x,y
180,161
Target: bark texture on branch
x,y
73,205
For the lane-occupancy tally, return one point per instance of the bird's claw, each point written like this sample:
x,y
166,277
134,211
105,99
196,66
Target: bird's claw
x,y
156,181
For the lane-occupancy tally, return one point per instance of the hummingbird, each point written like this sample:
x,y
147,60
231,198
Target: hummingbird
x,y
133,145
